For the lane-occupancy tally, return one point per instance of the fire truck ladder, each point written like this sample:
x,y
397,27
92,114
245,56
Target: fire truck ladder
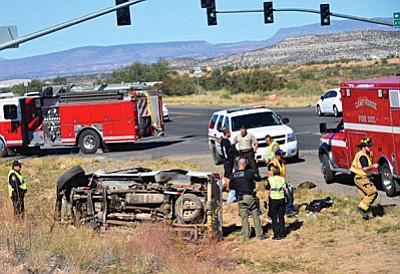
x,y
90,96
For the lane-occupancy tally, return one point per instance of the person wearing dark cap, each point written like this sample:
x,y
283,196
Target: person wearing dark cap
x,y
247,145
279,163
361,170
17,188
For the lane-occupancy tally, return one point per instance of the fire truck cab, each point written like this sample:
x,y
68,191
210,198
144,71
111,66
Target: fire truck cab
x,y
371,108
86,117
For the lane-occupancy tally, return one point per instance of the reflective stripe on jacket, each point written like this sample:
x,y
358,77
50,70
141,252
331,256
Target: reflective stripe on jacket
x,y
278,186
270,153
20,178
356,166
282,167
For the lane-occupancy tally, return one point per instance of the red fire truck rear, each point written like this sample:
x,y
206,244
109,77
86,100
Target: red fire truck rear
x,y
86,117
371,108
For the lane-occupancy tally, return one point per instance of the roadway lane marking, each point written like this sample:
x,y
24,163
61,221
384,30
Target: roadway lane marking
x,y
189,114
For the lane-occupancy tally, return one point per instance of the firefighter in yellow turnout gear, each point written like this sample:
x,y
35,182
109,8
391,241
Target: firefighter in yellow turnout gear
x,y
361,170
17,188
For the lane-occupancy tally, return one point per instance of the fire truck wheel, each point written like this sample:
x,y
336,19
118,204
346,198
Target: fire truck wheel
x,y
326,170
388,182
3,148
188,208
319,112
89,141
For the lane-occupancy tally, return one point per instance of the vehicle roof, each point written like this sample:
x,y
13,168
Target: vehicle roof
x,y
386,82
243,110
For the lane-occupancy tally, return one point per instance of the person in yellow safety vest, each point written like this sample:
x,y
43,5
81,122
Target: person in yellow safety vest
x,y
272,147
276,190
361,170
279,162
17,188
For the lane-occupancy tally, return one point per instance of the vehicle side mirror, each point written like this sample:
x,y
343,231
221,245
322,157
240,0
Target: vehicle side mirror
x,y
285,120
323,128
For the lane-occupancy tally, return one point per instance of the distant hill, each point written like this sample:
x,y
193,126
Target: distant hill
x,y
94,59
355,45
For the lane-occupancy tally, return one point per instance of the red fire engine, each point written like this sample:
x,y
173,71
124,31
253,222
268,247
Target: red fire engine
x,y
89,118
371,108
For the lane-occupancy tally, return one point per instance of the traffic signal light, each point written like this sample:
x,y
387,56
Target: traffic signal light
x,y
208,3
211,16
268,13
123,14
325,15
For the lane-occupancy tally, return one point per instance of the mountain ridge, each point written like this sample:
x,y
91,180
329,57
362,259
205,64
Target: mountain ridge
x,y
95,59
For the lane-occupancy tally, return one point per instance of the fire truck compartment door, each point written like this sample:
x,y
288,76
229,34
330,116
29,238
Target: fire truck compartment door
x,y
11,123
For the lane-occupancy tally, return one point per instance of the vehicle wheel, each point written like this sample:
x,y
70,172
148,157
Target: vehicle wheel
x,y
319,111
388,182
326,170
188,208
73,177
216,157
3,148
335,111
89,141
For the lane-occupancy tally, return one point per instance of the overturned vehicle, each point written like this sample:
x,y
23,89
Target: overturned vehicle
x,y
188,200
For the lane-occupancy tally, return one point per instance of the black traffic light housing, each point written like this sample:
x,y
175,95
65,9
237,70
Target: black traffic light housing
x,y
268,13
325,15
123,14
211,16
208,3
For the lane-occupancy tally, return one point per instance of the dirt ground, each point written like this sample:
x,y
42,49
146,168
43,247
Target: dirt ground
x,y
336,240
329,242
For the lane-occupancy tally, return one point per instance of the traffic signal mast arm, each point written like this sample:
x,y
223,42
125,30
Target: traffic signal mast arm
x,y
315,11
66,25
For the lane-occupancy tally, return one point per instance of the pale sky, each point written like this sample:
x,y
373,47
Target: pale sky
x,y
164,21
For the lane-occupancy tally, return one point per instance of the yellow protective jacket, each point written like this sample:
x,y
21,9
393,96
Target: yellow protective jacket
x,y
356,166
20,178
282,167
278,186
270,152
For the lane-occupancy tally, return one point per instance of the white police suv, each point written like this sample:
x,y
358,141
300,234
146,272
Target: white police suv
x,y
259,121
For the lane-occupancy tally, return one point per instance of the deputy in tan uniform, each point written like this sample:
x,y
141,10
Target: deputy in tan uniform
x,y
361,170
248,145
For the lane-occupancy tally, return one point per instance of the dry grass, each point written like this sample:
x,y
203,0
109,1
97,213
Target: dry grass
x,y
335,241
224,98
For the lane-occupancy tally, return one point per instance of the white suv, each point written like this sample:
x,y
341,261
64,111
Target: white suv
x,y
259,121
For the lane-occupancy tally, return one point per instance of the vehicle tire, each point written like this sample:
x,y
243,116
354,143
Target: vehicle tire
x,y
319,111
89,141
335,111
388,182
182,204
3,148
329,176
216,157
73,177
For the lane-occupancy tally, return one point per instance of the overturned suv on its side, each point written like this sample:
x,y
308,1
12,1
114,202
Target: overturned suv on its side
x,y
182,198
